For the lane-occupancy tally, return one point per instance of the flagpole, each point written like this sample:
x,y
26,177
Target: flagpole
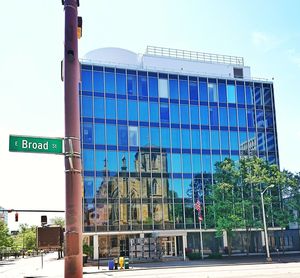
x,y
201,239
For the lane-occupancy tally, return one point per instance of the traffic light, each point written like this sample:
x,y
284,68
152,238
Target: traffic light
x,y
16,217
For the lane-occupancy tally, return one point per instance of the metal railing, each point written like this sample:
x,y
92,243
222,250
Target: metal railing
x,y
194,56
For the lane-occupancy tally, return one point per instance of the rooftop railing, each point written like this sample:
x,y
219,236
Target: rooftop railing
x,y
194,56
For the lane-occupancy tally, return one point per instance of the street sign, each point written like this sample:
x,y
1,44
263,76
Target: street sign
x,y
50,238
35,144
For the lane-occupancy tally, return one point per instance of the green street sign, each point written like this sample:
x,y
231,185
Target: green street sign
x,y
35,144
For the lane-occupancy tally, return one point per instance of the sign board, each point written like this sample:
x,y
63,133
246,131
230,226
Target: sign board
x,y
49,238
35,144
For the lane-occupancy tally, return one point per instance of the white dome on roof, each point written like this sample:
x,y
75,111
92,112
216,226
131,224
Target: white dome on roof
x,y
113,55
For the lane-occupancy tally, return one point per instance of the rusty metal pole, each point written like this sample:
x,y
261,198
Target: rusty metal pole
x,y
73,234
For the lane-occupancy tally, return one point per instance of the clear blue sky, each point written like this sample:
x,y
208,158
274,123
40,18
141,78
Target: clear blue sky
x,y
266,33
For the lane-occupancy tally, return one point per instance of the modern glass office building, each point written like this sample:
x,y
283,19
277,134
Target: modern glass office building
x,y
152,128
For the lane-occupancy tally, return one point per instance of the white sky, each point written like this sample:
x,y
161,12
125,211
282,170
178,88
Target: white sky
x,y
265,33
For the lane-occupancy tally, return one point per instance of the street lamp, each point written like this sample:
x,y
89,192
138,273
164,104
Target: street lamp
x,y
269,259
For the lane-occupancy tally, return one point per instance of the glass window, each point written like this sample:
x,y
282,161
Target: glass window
x,y
123,165
231,93
110,108
178,192
258,97
223,116
143,90
184,114
122,135
165,137
232,116
249,94
261,142
206,163
109,82
88,133
176,162
154,113
99,107
196,160
173,86
224,140
164,113
163,88
100,134
195,138
243,138
242,117
214,117
240,94
193,90
186,163
112,162
89,187
133,135
122,111
203,91
260,118
143,111
271,142
250,117
87,106
98,81
267,96
111,132
155,137
100,160
88,160
194,114
183,85
134,157
269,119
205,139
86,79
212,92
174,113
153,86
144,136
131,85
214,159
132,110
185,138
121,83
175,137
203,115
222,92
234,140
215,145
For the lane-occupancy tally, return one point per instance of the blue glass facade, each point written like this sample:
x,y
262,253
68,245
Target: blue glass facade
x,y
150,141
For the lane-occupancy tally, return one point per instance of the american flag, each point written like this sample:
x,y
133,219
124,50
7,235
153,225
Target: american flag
x,y
198,206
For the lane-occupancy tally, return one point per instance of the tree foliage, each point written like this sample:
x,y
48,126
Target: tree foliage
x,y
5,238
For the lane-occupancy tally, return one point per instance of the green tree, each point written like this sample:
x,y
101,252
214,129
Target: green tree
x,y
59,221
26,238
5,238
226,197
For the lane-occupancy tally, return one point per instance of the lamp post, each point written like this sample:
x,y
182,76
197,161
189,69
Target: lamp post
x,y
269,259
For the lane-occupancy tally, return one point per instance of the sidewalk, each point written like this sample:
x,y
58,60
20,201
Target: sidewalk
x,y
91,267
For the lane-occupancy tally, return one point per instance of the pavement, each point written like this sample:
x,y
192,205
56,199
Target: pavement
x,y
51,267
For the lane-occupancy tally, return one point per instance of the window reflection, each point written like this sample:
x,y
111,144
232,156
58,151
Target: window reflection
x,y
231,93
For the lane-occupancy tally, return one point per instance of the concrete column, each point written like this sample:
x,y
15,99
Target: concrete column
x,y
96,247
263,240
184,245
175,246
225,241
